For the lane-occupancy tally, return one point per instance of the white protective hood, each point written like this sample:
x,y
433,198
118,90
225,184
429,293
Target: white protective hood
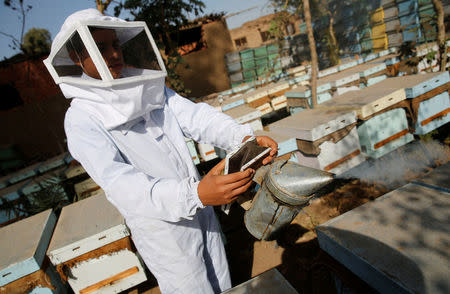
x,y
112,101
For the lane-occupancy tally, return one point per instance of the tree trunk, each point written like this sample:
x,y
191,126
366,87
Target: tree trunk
x,y
312,48
102,6
334,49
441,33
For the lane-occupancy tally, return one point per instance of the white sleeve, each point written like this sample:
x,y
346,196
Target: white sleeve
x,y
131,191
204,124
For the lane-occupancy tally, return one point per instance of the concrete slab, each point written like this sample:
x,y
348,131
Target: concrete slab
x,y
397,243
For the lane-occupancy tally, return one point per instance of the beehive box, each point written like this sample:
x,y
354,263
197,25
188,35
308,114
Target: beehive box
x,y
23,265
245,114
85,188
51,178
74,171
24,174
207,151
52,163
92,249
232,102
397,243
433,113
11,195
384,133
266,283
265,108
328,71
279,102
347,65
192,150
341,79
327,138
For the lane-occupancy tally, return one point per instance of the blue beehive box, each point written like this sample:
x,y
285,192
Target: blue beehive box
x,y
433,113
384,133
23,247
52,163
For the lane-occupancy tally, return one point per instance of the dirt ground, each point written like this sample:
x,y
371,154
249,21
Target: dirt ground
x,y
296,252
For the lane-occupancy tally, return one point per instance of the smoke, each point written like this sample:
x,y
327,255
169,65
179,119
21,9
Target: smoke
x,y
401,165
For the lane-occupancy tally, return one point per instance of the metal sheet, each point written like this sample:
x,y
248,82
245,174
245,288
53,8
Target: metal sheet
x,y
397,243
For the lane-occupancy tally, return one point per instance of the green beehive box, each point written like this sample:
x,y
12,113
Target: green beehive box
x,y
272,48
247,64
261,62
262,71
260,52
249,74
247,54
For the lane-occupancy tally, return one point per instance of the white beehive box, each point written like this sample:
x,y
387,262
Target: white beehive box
x,y
314,124
265,108
279,102
433,113
328,71
370,100
192,150
84,232
232,102
23,247
244,114
277,89
341,79
207,151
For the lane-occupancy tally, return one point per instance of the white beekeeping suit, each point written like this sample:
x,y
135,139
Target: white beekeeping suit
x,y
128,132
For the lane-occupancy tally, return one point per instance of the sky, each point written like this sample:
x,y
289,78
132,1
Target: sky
x,y
50,15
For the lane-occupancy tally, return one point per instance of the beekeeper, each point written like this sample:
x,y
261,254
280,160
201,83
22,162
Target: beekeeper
x,y
128,131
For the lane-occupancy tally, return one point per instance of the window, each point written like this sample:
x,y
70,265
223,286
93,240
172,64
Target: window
x,y
189,40
242,42
10,97
265,36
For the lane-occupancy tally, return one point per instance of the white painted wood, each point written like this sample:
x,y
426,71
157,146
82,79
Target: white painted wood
x,y
255,95
340,78
207,151
313,124
191,146
277,87
279,102
369,100
243,113
256,124
84,226
95,270
23,245
265,108
332,152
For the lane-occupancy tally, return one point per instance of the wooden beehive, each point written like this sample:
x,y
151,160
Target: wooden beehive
x,y
192,150
23,264
326,138
207,151
85,188
244,114
384,133
91,248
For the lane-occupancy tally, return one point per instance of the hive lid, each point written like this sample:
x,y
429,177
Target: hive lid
x,y
241,110
438,178
397,243
23,245
313,124
83,219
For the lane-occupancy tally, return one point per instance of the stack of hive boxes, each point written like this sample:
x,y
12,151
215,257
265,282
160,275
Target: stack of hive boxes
x,y
92,250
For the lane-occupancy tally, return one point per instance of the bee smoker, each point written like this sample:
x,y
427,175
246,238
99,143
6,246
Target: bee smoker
x,y
285,189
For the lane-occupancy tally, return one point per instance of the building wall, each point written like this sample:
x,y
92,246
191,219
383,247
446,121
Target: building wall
x,y
207,71
252,31
36,126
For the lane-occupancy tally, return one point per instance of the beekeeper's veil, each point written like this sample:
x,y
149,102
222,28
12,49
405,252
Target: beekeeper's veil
x,y
113,98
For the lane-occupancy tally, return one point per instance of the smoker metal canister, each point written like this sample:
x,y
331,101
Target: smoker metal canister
x,y
286,188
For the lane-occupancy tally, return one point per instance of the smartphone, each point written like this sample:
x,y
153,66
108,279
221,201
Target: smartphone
x,y
248,155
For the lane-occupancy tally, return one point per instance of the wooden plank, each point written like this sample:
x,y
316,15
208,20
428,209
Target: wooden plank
x,y
437,115
343,159
391,138
111,280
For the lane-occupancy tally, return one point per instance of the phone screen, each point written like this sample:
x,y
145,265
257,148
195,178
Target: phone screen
x,y
249,152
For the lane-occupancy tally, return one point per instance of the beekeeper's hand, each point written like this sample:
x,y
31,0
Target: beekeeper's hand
x,y
218,189
266,142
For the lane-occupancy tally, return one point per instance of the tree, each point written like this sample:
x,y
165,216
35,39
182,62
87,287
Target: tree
x,y
22,9
36,42
441,33
165,18
102,5
312,48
